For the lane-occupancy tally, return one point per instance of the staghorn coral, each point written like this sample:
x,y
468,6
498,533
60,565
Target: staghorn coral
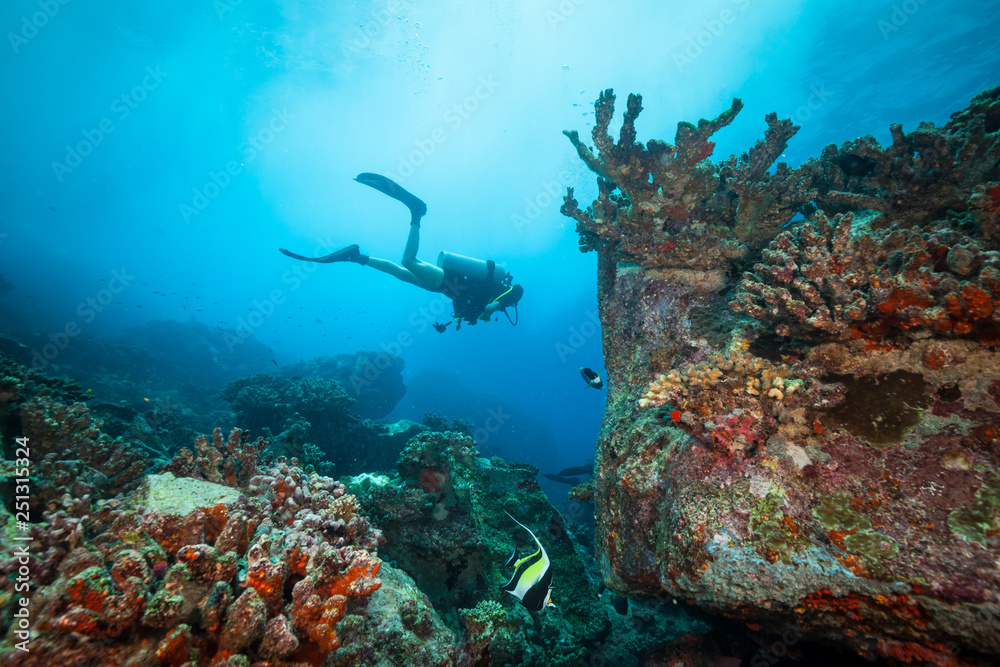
x,y
674,207
665,205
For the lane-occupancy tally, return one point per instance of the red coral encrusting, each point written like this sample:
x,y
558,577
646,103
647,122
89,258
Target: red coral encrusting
x,y
270,574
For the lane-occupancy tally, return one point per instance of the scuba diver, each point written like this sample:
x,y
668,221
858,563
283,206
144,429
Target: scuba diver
x,y
477,288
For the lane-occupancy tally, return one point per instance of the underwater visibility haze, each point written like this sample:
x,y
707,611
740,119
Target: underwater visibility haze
x,y
520,332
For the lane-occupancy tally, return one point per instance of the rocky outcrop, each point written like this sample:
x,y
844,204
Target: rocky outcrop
x,y
813,446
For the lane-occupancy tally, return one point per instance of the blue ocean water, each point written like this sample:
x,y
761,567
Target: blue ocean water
x,y
174,147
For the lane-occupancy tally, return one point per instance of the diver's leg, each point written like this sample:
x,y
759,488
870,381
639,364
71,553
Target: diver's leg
x,y
427,275
393,269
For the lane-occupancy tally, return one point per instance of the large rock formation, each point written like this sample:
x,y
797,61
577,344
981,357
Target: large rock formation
x,y
813,445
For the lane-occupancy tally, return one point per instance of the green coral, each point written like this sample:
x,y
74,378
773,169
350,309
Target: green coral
x,y
973,522
778,536
835,514
872,547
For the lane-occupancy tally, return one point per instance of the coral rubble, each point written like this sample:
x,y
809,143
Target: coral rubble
x,y
803,418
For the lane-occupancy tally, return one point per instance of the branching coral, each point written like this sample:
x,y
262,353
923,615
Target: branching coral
x,y
821,281
808,282
920,175
671,207
232,462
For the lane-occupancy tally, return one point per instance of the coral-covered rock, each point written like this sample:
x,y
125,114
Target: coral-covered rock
x,y
829,462
232,461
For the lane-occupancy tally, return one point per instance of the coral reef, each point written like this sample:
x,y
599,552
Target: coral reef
x,y
813,445
311,419
161,370
373,380
669,206
398,621
267,575
444,523
71,459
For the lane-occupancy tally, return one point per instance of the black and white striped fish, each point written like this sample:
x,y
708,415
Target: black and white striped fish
x,y
532,579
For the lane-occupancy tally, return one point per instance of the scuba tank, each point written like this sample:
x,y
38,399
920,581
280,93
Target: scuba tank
x,y
476,269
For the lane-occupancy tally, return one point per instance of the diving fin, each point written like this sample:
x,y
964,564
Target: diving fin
x,y
349,253
390,187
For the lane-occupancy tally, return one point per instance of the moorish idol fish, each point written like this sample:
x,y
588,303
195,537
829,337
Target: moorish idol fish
x,y
592,379
532,580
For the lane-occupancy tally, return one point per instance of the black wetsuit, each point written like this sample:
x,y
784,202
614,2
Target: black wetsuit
x,y
469,296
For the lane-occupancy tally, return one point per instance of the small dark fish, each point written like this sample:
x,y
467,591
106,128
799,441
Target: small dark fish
x,y
591,378
274,362
52,208
578,470
572,481
319,321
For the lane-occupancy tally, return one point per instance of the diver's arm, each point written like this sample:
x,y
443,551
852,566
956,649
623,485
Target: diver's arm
x,y
491,308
